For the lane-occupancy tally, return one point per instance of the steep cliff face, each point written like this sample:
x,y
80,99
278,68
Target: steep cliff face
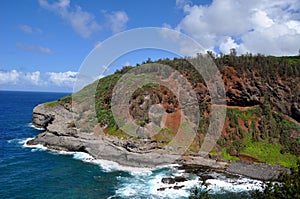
x,y
249,89
44,116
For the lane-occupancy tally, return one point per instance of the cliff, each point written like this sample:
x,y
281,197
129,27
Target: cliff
x,y
262,123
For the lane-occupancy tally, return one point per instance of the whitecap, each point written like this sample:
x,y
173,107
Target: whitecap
x,y
37,128
36,147
152,186
241,184
110,166
15,140
21,141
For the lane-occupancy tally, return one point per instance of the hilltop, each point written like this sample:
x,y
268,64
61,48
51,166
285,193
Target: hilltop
x,y
261,126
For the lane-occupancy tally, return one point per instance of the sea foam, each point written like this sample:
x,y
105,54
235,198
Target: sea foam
x,y
147,182
37,128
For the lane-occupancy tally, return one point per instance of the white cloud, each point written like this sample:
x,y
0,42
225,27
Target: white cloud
x,y
117,21
29,30
25,28
227,45
269,27
182,3
7,77
62,78
260,19
35,49
81,21
33,77
18,77
51,81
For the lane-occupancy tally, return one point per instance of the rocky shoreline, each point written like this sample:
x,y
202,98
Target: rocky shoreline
x,y
60,135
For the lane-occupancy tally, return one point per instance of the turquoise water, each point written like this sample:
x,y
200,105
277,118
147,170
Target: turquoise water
x,y
37,173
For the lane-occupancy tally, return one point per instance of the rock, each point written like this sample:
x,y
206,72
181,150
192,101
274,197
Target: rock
x,y
173,180
180,179
259,171
178,187
295,111
168,180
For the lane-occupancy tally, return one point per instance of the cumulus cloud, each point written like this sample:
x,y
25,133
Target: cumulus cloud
x,y
62,78
269,27
35,49
20,80
81,21
9,76
18,77
33,77
227,45
117,21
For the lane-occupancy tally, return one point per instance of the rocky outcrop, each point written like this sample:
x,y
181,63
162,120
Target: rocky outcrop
x,y
60,136
259,171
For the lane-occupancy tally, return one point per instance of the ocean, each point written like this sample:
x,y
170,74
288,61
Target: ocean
x,y
27,172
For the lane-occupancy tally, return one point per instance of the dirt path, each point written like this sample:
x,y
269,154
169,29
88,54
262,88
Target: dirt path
x,y
242,108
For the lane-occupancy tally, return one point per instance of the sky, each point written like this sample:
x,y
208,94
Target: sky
x,y
43,43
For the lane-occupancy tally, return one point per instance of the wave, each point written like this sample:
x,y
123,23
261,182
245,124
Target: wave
x,y
37,147
241,184
152,186
106,165
37,128
16,140
147,182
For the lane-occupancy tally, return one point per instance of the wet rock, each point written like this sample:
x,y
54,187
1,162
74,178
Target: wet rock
x,y
161,189
168,180
173,180
178,187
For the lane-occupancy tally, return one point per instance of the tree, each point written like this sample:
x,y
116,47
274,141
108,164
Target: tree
x,y
198,193
287,186
233,52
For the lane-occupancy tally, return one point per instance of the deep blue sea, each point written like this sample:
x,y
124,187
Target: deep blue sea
x,y
38,173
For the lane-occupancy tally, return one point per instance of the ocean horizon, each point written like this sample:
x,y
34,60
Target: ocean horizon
x,y
35,172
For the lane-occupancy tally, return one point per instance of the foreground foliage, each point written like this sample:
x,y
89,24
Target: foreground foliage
x,y
287,186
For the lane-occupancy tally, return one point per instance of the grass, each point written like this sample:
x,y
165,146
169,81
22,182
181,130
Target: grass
x,y
269,153
227,156
114,131
51,104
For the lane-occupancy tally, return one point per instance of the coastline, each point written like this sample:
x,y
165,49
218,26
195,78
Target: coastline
x,y
59,137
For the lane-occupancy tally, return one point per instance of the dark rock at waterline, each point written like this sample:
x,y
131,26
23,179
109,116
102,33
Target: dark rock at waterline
x,y
173,180
196,169
168,180
178,187
161,189
180,179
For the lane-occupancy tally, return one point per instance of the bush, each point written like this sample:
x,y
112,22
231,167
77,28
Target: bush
x,y
287,186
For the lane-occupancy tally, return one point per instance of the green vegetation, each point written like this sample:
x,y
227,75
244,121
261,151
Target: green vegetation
x,y
200,193
287,186
249,114
62,101
227,156
72,124
115,131
262,131
51,104
269,153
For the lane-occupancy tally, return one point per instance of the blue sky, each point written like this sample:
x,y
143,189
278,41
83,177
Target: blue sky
x,y
44,42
